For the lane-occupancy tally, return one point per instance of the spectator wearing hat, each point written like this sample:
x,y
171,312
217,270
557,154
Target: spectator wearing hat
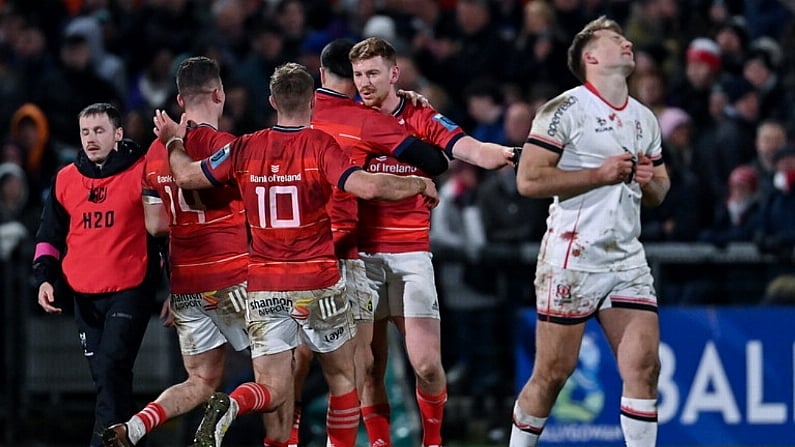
x,y
691,90
734,135
761,69
676,219
732,38
736,220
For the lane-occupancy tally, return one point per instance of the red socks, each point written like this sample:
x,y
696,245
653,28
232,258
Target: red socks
x,y
251,396
431,412
342,419
376,421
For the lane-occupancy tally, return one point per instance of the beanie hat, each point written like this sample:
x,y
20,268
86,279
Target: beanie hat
x,y
705,50
736,88
670,119
744,175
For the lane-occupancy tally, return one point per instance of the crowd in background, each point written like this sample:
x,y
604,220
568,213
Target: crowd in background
x,y
719,74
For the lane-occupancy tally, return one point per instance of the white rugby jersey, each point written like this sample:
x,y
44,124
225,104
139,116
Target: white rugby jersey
x,y
596,231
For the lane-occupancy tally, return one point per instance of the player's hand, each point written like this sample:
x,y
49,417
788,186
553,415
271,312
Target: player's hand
x,y
47,297
165,313
644,170
616,169
166,128
416,98
430,195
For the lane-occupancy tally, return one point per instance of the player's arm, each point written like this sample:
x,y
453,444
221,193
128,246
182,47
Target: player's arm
x,y
538,175
187,173
479,153
653,181
156,218
382,186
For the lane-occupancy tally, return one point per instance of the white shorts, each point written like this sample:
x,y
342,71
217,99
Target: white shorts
x,y
207,320
280,321
405,284
572,297
358,289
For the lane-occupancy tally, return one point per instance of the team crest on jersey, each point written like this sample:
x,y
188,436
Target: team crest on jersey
x,y
275,168
616,119
98,194
445,121
602,125
218,157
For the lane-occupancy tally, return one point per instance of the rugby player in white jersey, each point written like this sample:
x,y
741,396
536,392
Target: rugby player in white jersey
x,y
597,152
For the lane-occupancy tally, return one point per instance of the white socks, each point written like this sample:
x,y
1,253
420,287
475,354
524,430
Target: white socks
x,y
639,422
525,429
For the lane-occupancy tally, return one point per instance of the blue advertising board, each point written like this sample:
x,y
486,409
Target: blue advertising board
x,y
727,380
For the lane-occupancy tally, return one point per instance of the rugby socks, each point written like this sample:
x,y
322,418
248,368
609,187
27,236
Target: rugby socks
x,y
293,440
639,422
342,419
431,412
271,443
526,429
145,421
251,396
376,421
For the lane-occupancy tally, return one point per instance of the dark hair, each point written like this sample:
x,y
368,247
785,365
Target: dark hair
x,y
292,88
583,38
103,108
334,58
197,75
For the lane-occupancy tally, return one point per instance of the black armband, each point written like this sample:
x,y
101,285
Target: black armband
x,y
427,157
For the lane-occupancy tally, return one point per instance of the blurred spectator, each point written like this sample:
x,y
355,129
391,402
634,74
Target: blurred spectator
x,y
732,38
768,17
770,137
107,65
649,88
737,216
65,91
479,47
734,136
12,87
484,105
32,60
761,69
291,18
691,90
538,54
253,74
776,231
686,163
30,130
656,22
431,33
677,218
152,87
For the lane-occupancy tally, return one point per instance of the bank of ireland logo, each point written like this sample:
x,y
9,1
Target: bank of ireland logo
x,y
582,398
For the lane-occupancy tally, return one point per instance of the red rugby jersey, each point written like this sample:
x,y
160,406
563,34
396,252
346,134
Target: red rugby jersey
x,y
404,226
363,133
208,238
285,176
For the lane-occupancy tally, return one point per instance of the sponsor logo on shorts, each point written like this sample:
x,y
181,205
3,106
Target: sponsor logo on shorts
x,y
268,306
184,301
334,336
